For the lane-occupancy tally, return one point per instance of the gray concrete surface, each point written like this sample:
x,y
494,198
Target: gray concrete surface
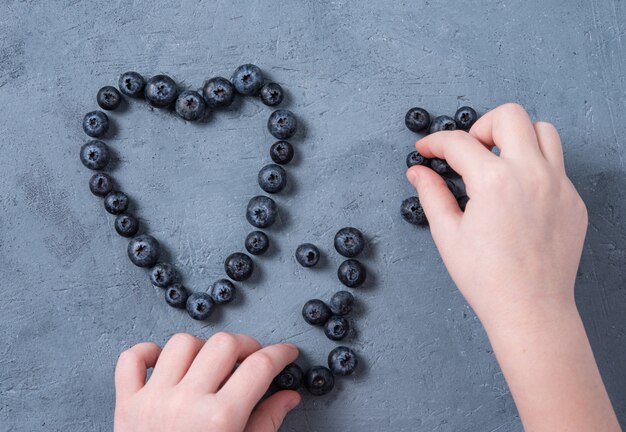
x,y
71,301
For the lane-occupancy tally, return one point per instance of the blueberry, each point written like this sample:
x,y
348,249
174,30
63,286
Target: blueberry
x,y
95,154
176,295
218,92
289,378
319,380
281,152
315,312
462,200
442,123
440,166
261,211
349,242
272,178
143,250
163,275
417,119
465,117
190,105
116,202
95,124
452,187
238,266
247,79
271,94
342,361
126,225
131,84
222,291
341,303
351,273
414,158
100,184
161,91
257,243
282,124
199,305
412,211
336,328
307,255
108,98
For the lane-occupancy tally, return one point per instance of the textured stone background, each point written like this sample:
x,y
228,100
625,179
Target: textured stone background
x,y
71,301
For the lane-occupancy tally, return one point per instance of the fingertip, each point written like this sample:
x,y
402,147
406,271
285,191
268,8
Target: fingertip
x,y
293,400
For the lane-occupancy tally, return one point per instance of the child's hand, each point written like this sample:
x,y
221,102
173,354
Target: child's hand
x,y
193,386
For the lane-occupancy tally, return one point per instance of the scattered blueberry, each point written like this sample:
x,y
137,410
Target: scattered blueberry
x,y
442,123
95,124
247,79
95,154
271,94
126,225
116,202
282,124
349,242
131,84
190,105
341,303
176,295
222,291
417,119
238,266
100,184
109,98
412,211
414,158
336,328
289,378
315,312
161,91
319,380
462,200
342,361
257,243
281,152
440,166
143,250
163,275
351,273
272,178
465,117
261,211
307,255
199,305
218,92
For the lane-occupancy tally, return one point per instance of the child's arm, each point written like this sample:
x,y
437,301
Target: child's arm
x,y
514,254
193,386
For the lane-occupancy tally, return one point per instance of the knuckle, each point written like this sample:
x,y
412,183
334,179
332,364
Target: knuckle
x,y
127,356
512,109
223,419
546,126
185,339
263,363
224,340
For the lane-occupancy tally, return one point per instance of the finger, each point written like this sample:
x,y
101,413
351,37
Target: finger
x,y
269,415
509,128
253,377
550,144
132,368
217,358
176,357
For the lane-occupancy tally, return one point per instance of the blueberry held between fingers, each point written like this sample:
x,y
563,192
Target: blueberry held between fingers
x,y
143,250
261,211
289,378
109,98
465,117
126,225
281,152
257,243
462,200
163,275
199,306
319,380
176,295
415,158
442,123
351,273
349,242
417,119
272,178
161,91
100,184
336,328
95,124
95,154
307,255
271,94
440,166
412,211
282,124
316,312
247,79
222,291
342,361
116,202
239,266
131,84
218,92
190,105
341,303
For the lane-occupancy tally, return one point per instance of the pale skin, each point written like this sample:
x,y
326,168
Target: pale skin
x,y
513,254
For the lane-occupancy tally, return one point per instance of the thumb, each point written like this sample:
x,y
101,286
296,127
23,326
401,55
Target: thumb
x,y
269,414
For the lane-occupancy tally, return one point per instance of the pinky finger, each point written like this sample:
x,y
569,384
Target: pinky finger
x,y
132,368
270,413
550,144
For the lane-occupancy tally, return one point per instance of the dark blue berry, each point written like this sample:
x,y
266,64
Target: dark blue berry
x,y
349,242
341,303
442,123
163,275
95,154
307,255
143,250
417,119
222,291
272,178
414,158
131,84
247,79
116,202
281,152
261,211
218,92
100,184
257,243
109,98
336,328
282,124
315,312
412,211
440,166
161,91
342,361
289,378
462,200
190,105
319,380
452,187
95,124
351,273
238,266
176,295
199,306
465,117
126,225
271,94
